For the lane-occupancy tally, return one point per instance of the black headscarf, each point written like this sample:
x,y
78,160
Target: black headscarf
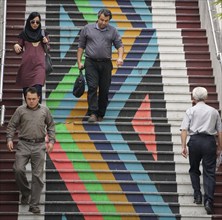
x,y
30,34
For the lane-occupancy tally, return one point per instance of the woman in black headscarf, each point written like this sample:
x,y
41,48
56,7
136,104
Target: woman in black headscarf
x,y
31,42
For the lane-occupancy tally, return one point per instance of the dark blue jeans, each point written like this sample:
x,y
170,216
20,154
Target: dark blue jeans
x,y
98,78
203,147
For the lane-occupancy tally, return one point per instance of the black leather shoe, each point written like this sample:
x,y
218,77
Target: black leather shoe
x,y
198,199
99,118
25,200
209,207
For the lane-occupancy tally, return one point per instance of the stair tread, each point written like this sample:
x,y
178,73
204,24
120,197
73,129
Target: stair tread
x,y
187,29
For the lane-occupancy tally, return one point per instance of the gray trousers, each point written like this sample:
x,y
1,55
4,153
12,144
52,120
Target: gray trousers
x,y
35,153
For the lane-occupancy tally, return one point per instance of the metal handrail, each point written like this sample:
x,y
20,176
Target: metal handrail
x,y
3,47
218,52
3,59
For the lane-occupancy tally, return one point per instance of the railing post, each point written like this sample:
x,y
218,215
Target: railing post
x,y
3,46
2,115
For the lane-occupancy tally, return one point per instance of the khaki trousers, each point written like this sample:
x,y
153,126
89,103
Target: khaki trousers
x,y
35,153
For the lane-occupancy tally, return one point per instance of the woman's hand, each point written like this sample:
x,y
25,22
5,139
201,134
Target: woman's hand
x,y
45,40
17,48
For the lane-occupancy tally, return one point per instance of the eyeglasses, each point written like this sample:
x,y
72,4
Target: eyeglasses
x,y
34,21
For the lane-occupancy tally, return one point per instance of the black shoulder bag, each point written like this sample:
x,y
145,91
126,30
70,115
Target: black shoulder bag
x,y
79,85
48,60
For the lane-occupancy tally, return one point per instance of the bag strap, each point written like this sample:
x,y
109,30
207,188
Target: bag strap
x,y
44,45
80,71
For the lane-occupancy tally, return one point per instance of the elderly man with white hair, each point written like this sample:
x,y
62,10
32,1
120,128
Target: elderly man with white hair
x,y
202,122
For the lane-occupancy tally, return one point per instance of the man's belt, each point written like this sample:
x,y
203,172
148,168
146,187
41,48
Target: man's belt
x,y
99,60
203,134
39,140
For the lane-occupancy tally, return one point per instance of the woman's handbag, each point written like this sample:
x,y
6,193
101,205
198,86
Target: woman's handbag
x,y
79,85
48,64
48,60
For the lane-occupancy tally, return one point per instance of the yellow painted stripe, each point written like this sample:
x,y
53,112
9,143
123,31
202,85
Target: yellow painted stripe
x,y
98,166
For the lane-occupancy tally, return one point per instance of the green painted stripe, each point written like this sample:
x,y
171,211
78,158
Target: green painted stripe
x,y
85,166
71,76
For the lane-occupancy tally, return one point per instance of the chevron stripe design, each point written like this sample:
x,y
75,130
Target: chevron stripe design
x,y
73,150
129,166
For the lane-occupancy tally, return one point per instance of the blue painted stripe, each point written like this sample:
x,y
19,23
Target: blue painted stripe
x,y
131,157
119,165
66,42
112,104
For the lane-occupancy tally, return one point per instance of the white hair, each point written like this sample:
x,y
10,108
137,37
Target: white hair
x,y
199,93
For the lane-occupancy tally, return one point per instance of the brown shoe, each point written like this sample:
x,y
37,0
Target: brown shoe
x,y
92,118
34,209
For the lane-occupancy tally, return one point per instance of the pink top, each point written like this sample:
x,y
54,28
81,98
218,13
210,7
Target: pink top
x,y
32,68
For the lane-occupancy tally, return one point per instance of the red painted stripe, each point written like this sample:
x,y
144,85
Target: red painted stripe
x,y
69,178
148,125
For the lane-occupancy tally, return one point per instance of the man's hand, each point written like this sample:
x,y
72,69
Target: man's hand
x,y
49,147
80,66
219,151
184,143
119,62
10,145
184,152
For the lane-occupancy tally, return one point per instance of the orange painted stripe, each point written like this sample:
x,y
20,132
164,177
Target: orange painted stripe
x,y
118,15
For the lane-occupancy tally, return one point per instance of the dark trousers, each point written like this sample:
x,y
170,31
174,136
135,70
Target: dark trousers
x,y
203,147
39,90
98,78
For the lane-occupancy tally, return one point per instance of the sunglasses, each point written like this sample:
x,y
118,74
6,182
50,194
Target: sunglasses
x,y
34,21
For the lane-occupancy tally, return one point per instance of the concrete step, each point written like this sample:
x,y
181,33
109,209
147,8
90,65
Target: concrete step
x,y
177,94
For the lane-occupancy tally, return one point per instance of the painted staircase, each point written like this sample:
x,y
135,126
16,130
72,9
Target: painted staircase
x,y
128,166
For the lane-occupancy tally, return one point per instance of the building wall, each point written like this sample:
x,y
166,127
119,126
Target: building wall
x,y
206,24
